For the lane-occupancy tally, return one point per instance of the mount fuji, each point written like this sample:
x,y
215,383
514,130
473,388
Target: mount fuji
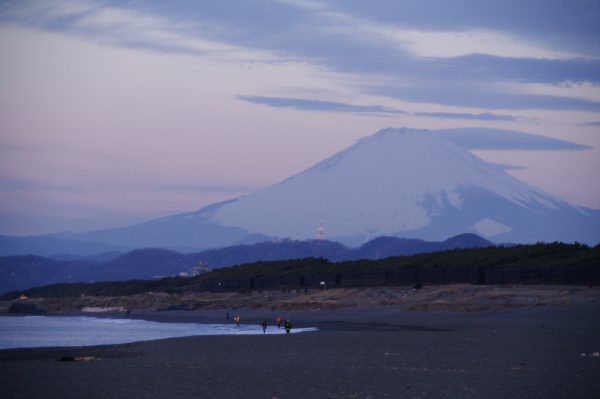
x,y
397,182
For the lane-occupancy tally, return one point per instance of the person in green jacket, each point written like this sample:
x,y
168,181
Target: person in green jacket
x,y
288,326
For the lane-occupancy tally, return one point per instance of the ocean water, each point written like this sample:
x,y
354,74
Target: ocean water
x,y
48,331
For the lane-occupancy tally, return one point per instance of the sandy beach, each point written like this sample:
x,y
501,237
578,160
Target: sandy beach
x,y
380,352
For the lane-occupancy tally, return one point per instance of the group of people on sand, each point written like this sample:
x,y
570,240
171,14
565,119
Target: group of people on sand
x,y
287,325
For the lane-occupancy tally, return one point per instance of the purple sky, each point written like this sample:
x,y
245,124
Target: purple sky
x,y
116,112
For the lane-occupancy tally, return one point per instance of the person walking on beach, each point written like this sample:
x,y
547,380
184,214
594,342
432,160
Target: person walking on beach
x,y
288,326
278,321
237,319
264,326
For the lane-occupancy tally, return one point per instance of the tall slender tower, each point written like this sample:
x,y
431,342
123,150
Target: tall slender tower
x,y
321,231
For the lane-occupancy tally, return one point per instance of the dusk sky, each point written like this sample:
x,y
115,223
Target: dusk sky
x,y
115,112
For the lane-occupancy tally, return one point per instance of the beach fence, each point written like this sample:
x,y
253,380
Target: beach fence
x,y
576,275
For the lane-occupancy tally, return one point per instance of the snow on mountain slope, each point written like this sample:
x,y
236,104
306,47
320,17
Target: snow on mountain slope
x,y
396,182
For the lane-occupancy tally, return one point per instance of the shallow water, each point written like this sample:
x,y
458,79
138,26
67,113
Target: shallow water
x,y
48,331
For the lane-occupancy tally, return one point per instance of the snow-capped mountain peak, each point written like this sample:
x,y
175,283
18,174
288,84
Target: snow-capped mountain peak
x,y
398,182
395,182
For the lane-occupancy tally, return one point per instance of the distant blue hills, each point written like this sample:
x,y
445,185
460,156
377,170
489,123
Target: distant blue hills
x,y
49,246
19,272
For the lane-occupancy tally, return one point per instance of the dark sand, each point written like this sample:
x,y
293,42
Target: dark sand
x,y
378,353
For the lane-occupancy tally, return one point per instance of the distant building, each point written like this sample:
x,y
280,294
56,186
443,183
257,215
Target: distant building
x,y
184,274
200,268
277,239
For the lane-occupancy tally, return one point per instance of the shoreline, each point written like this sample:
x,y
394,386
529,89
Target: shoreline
x,y
377,318
381,352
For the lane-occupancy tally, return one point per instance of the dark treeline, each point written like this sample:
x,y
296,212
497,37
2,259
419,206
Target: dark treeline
x,y
23,272
462,265
518,256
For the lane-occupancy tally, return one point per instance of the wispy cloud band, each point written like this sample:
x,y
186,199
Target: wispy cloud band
x,y
486,116
501,139
331,106
593,124
318,105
